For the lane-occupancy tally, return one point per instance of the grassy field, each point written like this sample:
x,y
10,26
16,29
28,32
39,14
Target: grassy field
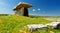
x,y
14,24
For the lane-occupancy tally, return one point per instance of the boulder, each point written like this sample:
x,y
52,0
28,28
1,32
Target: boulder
x,y
33,27
54,24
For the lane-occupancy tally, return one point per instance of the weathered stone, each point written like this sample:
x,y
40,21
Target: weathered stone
x,y
22,9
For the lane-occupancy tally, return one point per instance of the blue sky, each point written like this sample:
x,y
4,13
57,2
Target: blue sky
x,y
40,7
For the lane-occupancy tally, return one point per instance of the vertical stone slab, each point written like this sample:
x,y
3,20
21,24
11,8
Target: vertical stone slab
x,y
26,12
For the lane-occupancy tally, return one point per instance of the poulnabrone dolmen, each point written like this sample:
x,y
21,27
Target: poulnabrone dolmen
x,y
22,9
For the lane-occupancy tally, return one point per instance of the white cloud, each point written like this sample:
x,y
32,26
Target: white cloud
x,y
33,10
38,9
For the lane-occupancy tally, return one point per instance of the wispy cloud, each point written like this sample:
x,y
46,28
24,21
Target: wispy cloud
x,y
34,10
38,9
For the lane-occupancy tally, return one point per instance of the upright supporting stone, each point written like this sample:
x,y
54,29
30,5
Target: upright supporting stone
x,y
25,12
22,9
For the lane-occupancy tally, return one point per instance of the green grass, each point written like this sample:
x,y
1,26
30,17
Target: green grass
x,y
12,24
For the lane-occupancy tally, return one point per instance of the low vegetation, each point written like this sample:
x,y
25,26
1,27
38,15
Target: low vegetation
x,y
17,24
